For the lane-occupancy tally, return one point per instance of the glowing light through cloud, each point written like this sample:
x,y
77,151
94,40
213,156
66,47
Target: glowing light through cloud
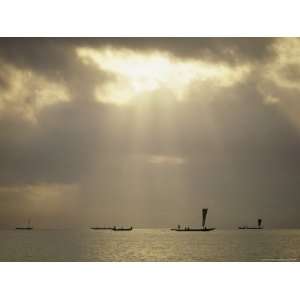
x,y
29,92
284,70
137,73
281,78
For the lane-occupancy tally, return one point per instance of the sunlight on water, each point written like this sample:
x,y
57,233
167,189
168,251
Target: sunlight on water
x,y
149,245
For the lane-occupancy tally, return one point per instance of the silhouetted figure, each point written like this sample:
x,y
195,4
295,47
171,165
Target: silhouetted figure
x,y
259,222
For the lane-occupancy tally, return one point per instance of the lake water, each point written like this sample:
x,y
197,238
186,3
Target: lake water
x,y
149,245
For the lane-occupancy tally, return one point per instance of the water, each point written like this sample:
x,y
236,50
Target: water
x,y
149,245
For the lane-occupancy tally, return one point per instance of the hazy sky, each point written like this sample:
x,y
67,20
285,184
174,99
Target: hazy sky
x,y
148,131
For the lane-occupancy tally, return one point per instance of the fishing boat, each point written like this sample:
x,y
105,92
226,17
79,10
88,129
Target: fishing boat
x,y
187,228
259,221
28,227
101,228
115,228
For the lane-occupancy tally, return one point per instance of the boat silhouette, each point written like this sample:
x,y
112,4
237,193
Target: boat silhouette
x,y
259,221
187,228
115,228
101,228
28,227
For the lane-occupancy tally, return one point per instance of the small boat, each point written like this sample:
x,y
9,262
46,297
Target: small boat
x,y
193,229
101,228
122,228
28,227
204,228
259,221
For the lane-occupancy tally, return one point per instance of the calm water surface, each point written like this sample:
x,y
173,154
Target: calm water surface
x,y
149,245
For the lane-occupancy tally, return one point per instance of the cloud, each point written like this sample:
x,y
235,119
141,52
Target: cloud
x,y
157,160
230,50
52,60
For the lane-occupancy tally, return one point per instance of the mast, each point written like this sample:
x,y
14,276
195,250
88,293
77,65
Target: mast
x,y
204,213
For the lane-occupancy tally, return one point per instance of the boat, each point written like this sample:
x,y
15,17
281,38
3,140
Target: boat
x,y
259,221
187,228
115,228
193,229
28,227
101,228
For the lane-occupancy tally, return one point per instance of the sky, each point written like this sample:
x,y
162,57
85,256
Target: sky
x,y
148,131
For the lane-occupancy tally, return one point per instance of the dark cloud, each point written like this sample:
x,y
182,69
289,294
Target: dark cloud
x,y
4,83
51,55
230,50
55,59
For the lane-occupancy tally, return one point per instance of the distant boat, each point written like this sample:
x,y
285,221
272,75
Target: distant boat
x,y
259,221
28,227
101,228
122,228
204,228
